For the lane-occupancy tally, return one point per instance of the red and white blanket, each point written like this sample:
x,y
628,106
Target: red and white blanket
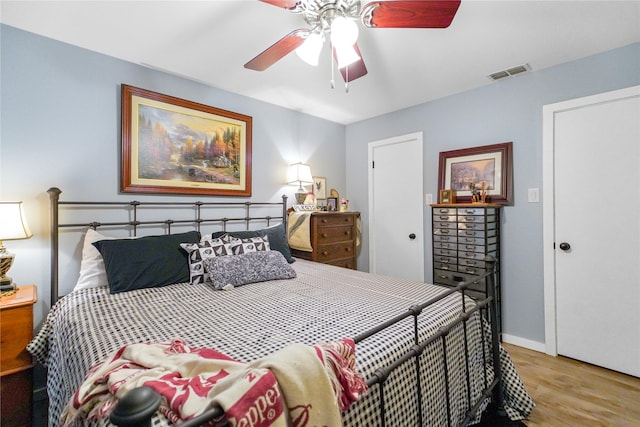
x,y
299,385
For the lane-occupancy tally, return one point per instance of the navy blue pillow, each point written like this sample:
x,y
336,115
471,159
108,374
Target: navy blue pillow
x,y
277,238
146,262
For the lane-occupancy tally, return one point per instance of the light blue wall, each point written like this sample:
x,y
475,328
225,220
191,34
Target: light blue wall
x,y
60,117
509,110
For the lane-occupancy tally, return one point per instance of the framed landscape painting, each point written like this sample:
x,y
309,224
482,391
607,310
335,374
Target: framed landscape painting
x,y
174,146
488,166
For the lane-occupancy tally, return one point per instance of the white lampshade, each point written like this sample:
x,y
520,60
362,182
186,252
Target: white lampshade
x,y
299,173
344,32
13,226
346,55
309,51
13,223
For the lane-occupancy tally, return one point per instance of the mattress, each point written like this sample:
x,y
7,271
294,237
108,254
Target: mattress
x,y
323,303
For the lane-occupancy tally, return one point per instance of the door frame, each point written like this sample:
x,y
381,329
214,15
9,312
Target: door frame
x,y
548,199
417,136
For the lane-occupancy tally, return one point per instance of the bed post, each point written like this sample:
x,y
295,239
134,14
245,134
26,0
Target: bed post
x,y
284,212
498,391
54,196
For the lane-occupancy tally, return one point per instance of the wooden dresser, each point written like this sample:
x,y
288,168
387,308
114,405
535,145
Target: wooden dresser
x,y
333,239
16,380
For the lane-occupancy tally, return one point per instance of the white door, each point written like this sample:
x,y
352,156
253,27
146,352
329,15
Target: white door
x,y
396,237
597,230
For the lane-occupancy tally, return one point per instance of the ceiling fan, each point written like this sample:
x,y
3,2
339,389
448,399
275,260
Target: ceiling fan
x,y
337,19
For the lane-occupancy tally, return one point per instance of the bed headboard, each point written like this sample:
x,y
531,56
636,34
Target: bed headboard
x,y
143,216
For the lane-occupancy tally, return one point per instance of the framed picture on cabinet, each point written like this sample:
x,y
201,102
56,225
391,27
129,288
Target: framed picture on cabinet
x,y
332,204
488,166
174,146
320,187
447,196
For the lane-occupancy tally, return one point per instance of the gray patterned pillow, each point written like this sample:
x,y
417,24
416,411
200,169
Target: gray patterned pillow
x,y
252,267
198,252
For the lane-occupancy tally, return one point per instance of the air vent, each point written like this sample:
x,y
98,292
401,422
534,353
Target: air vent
x,y
509,72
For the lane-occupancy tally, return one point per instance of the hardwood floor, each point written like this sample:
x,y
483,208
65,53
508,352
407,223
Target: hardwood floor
x,y
569,392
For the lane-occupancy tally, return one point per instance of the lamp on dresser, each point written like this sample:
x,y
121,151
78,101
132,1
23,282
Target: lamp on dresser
x,y
300,174
13,226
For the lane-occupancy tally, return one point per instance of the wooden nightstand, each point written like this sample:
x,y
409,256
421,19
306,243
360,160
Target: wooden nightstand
x,y
16,380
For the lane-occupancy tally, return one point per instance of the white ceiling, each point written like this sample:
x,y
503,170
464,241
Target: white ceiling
x,y
210,41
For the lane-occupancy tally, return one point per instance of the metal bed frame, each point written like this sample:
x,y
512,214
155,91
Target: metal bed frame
x,y
141,401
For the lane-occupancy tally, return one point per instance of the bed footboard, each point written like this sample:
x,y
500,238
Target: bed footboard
x,y
137,407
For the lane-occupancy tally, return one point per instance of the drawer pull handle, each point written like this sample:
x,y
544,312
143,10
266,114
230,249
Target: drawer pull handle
x,y
470,247
469,211
444,231
442,276
325,253
347,249
471,262
444,217
444,210
470,218
346,233
324,234
324,220
469,240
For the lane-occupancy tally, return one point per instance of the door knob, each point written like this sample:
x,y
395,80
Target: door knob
x,y
412,236
565,246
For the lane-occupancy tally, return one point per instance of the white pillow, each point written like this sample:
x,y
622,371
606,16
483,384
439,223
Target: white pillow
x,y
92,270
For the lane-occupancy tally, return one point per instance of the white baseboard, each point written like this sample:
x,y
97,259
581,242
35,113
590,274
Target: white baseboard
x,y
523,342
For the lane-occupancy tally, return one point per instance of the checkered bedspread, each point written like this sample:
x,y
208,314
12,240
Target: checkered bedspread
x,y
323,303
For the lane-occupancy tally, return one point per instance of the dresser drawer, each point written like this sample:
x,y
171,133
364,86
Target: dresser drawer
x,y
17,327
334,234
334,251
333,219
344,263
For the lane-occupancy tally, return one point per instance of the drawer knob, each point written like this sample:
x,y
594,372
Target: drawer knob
x,y
324,234
412,236
347,249
325,253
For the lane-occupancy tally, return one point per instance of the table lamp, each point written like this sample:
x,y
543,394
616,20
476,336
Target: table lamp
x,y
13,226
300,173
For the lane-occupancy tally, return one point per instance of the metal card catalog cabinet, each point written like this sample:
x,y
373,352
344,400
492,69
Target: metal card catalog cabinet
x,y
462,235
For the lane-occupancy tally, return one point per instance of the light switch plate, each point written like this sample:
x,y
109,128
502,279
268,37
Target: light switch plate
x,y
428,199
534,195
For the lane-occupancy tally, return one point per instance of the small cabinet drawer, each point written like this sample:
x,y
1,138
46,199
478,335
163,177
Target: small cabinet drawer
x,y
446,252
444,211
451,239
454,279
477,248
476,226
477,233
441,225
476,211
477,218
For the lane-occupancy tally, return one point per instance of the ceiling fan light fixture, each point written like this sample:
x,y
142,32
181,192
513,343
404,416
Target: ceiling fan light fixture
x,y
309,51
344,32
346,55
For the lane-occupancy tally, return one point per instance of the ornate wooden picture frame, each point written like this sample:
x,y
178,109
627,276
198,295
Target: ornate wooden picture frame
x,y
490,165
174,146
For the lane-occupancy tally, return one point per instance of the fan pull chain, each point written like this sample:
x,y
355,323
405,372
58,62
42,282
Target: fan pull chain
x,y
346,80
333,82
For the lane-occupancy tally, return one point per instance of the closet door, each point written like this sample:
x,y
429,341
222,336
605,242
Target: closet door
x,y
597,232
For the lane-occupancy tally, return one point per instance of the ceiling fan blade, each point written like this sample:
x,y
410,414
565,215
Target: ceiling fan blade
x,y
410,14
352,71
278,50
286,4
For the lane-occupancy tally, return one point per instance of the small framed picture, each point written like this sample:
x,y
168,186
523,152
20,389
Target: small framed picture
x,y
320,187
332,204
447,196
